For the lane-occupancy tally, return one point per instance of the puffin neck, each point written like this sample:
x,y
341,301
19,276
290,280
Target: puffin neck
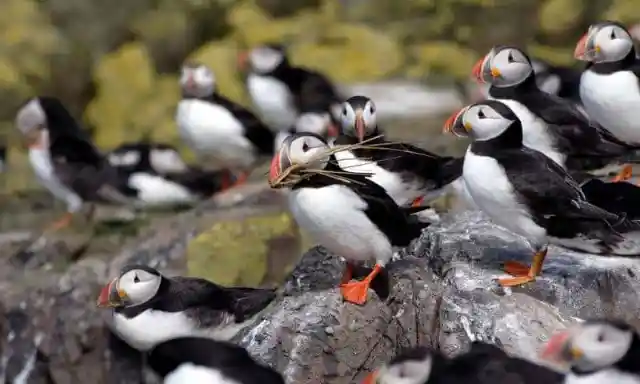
x,y
135,310
511,138
616,66
528,85
281,71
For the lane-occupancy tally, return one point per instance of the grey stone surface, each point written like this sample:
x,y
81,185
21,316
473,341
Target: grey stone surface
x,y
443,293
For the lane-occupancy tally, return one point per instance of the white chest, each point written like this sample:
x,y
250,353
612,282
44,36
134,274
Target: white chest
x,y
40,160
212,130
401,192
334,216
151,327
535,133
603,377
613,101
154,190
493,193
189,373
273,101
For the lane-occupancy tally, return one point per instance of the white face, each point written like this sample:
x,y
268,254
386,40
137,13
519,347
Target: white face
x,y
601,345
359,120
609,43
197,81
139,286
406,372
125,159
167,161
317,123
307,150
507,67
481,123
265,59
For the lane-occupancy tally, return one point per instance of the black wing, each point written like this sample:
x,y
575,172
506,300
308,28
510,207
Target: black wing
x,y
394,221
255,130
547,188
312,89
186,292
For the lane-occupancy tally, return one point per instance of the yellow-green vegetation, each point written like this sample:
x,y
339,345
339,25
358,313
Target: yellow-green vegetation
x,y
251,251
116,67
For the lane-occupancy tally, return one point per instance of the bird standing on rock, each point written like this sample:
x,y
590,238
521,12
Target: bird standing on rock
x,y
553,126
281,91
406,172
194,360
609,85
219,129
345,212
597,352
149,308
528,193
65,160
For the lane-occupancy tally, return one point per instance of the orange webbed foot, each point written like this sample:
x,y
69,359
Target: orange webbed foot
x,y
625,174
417,202
515,281
356,292
515,268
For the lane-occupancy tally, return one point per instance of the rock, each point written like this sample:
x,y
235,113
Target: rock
x,y
442,294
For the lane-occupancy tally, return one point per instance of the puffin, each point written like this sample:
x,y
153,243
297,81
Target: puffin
x,y
187,360
553,126
315,120
149,308
482,364
65,161
597,351
280,91
558,80
347,213
216,128
407,173
526,192
609,86
162,158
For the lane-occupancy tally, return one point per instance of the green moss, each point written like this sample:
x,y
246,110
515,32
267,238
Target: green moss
x,y
560,16
626,11
441,57
245,252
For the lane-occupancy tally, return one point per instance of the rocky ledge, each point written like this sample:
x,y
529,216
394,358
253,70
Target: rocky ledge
x,y
443,294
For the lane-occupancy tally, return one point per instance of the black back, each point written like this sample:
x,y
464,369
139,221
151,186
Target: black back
x,y
229,360
394,221
68,140
410,161
208,302
144,149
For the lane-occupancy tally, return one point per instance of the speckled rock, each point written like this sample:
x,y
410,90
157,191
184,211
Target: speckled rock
x,y
443,293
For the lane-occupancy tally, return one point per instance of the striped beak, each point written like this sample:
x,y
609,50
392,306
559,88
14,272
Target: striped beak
x,y
111,296
586,50
456,125
559,349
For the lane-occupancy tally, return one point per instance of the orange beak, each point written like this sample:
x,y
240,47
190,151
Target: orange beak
x,y
110,296
581,48
370,379
448,125
360,126
243,57
274,168
332,130
555,349
476,72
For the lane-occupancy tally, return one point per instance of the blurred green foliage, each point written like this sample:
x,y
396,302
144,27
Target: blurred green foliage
x,y
115,63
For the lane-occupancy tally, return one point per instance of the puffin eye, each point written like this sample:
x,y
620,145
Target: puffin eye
x,y
344,111
510,58
372,109
600,337
481,115
612,36
305,147
136,279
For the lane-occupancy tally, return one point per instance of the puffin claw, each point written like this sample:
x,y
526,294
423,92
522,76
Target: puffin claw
x,y
418,202
515,281
355,292
515,268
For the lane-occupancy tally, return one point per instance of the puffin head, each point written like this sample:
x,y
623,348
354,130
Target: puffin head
x,y
299,152
593,346
358,118
411,367
318,122
604,42
32,124
263,59
137,284
503,66
197,80
481,121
